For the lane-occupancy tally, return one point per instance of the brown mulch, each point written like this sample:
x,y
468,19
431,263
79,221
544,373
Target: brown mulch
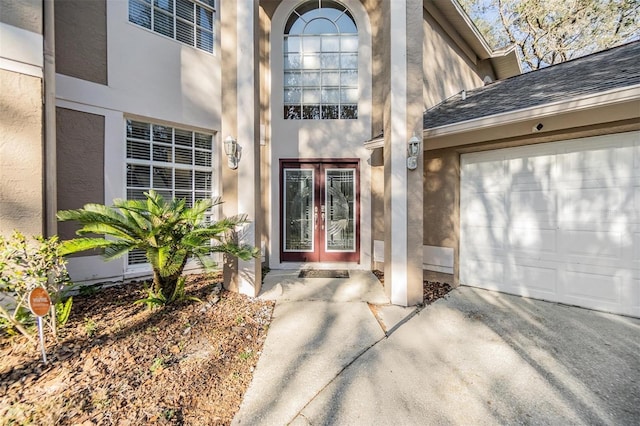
x,y
117,363
431,290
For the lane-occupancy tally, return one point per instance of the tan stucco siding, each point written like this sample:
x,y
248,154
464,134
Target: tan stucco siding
x,y
447,69
442,200
265,125
81,39
379,70
21,154
80,158
24,14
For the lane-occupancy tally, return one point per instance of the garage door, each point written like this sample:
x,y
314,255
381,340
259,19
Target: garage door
x,y
557,221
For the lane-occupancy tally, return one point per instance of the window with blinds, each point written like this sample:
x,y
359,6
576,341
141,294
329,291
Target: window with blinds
x,y
177,163
188,21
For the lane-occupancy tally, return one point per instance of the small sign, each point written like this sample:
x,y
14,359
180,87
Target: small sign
x,y
39,302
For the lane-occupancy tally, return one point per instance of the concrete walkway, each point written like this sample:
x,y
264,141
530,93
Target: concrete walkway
x,y
477,357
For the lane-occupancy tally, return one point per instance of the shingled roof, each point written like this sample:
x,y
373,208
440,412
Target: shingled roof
x,y
617,67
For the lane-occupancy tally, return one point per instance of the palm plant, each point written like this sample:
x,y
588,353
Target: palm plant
x,y
169,232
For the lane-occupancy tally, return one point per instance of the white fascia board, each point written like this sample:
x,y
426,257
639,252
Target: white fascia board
x,y
374,143
580,103
21,50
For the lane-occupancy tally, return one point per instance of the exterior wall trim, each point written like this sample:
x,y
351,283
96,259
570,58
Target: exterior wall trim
x,y
21,50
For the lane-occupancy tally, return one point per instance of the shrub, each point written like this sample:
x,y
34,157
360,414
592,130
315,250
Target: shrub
x,y
169,232
25,265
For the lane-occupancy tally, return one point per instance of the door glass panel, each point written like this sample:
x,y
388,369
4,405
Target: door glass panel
x,y
340,195
299,213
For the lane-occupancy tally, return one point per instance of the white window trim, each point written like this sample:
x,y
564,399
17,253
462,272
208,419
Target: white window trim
x,y
214,169
213,31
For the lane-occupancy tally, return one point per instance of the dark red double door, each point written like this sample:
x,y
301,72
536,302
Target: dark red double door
x,y
319,210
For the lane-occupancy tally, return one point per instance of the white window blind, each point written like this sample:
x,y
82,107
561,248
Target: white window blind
x,y
175,162
188,21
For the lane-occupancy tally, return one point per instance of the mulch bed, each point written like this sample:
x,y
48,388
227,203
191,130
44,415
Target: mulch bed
x,y
431,290
117,363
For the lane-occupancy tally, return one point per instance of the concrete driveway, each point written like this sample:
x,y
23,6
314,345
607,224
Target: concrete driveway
x,y
477,357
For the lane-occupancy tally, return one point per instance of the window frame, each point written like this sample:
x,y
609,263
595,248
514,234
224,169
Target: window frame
x,y
312,88
208,46
210,190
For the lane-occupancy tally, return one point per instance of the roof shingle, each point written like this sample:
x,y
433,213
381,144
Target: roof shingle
x,y
617,67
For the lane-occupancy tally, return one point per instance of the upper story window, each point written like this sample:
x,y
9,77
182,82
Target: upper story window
x,y
188,21
320,62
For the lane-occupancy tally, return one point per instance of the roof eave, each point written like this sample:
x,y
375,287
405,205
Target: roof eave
x,y
505,60
578,103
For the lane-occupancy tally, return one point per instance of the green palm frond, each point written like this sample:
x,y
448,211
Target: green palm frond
x,y
243,252
168,231
83,244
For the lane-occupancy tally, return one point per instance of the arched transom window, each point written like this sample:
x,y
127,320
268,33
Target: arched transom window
x,y
320,62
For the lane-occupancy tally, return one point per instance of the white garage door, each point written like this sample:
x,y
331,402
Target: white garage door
x,y
557,221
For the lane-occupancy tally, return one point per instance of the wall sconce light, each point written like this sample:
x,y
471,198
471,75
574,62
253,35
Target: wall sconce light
x,y
413,149
232,150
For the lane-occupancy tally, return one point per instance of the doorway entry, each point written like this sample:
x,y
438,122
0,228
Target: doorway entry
x,y
320,210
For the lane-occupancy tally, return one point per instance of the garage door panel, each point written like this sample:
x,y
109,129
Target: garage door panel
x,y
636,250
531,173
569,229
485,176
594,289
483,239
534,281
592,243
581,202
528,240
531,210
590,162
485,209
484,274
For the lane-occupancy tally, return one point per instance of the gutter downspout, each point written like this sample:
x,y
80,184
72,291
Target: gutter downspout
x,y
50,166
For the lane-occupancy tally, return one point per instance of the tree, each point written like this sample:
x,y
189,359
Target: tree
x,y
169,232
547,32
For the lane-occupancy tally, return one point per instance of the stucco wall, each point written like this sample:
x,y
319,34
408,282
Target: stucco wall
x,y
80,159
442,200
447,69
320,138
81,39
21,153
25,14
150,78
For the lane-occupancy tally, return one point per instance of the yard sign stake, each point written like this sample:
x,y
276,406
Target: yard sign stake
x,y
39,303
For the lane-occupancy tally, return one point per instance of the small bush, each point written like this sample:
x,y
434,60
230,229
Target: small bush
x,y
25,265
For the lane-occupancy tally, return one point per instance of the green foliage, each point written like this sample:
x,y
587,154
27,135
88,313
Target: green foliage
x,y
24,265
246,355
90,327
63,311
156,299
547,32
168,231
158,365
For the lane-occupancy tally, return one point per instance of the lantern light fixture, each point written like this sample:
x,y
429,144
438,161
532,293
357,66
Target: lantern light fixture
x,y
413,149
232,151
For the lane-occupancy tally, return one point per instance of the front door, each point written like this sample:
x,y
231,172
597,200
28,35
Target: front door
x,y
320,211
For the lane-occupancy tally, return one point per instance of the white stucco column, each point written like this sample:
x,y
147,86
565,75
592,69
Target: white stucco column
x,y
248,136
403,189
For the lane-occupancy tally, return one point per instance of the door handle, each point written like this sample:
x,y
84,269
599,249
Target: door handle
x,y
315,216
322,224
